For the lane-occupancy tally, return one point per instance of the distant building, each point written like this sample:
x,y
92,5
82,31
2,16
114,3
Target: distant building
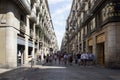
x,y
94,26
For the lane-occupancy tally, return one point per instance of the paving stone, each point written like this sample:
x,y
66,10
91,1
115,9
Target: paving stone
x,y
62,72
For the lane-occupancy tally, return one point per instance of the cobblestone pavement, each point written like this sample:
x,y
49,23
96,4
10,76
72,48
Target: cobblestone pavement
x,y
61,72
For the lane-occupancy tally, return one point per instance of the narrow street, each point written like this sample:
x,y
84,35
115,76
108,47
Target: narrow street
x,y
34,32
61,72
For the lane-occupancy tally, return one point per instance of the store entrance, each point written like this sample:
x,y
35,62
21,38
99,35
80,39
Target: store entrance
x,y
100,53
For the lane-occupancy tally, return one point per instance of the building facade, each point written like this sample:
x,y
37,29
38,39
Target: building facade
x,y
26,31
94,26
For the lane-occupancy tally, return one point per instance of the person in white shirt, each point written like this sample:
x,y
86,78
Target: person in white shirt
x,y
84,58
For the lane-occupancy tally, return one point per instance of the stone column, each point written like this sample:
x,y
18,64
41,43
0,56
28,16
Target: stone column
x,y
113,45
26,50
2,47
11,40
33,50
95,47
11,47
27,29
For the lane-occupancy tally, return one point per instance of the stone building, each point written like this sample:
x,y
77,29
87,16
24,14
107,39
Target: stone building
x,y
94,26
26,31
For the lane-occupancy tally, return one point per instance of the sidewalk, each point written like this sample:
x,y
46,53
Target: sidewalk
x,y
2,70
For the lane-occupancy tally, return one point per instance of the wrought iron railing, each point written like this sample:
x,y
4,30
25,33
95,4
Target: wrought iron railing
x,y
31,33
22,26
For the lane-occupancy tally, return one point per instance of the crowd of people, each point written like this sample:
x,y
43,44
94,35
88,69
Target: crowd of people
x,y
83,58
59,58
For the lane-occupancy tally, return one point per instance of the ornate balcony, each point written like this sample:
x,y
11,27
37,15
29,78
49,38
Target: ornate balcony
x,y
38,22
31,33
22,26
84,0
25,5
34,1
96,4
38,5
82,5
37,37
33,16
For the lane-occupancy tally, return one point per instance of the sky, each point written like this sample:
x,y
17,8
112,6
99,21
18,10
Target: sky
x,y
59,10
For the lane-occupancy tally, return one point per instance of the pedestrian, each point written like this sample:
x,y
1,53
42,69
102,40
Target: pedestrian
x,y
55,58
59,58
70,59
50,58
84,58
91,58
78,58
39,59
62,59
75,57
44,57
65,58
32,62
47,58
